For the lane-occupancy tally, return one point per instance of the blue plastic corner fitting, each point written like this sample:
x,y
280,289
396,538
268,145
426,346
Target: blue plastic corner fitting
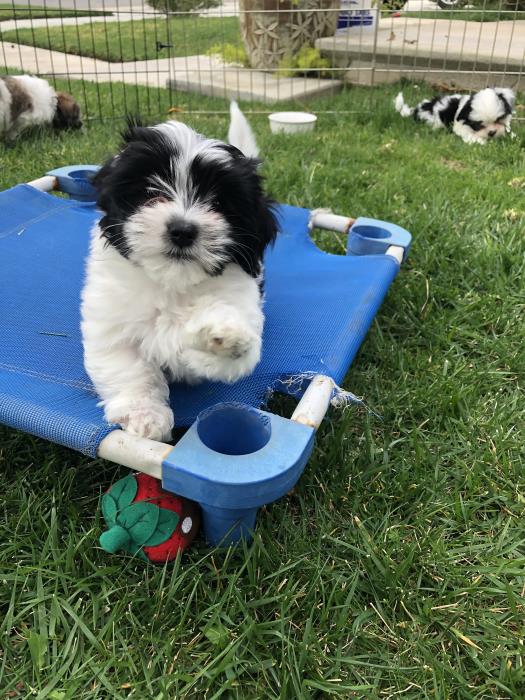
x,y
233,459
75,180
374,237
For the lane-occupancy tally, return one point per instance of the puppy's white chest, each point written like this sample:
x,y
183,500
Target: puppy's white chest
x,y
162,336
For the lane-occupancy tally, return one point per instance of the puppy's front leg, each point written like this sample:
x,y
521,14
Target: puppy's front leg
x,y
223,343
134,392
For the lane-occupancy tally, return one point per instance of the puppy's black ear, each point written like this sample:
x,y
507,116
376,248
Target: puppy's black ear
x,y
267,224
258,226
109,200
237,155
464,112
101,179
106,180
507,96
134,125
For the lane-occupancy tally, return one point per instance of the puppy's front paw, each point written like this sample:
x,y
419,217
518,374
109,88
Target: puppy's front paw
x,y
229,340
472,138
147,419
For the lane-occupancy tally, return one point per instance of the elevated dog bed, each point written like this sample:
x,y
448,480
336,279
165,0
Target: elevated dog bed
x,y
234,457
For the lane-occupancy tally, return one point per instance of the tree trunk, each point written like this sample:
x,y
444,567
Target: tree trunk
x,y
272,29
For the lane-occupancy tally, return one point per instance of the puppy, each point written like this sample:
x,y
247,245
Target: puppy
x,y
173,289
476,119
26,101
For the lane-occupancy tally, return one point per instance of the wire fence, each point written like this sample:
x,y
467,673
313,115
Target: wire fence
x,y
118,57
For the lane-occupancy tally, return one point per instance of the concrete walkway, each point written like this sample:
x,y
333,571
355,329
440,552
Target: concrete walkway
x,y
153,73
471,54
201,74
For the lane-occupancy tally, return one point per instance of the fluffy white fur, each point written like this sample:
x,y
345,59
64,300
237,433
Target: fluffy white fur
x,y
476,119
5,108
136,326
147,318
240,133
43,105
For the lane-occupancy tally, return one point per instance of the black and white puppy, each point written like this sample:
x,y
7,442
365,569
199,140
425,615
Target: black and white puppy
x,y
475,118
174,275
27,101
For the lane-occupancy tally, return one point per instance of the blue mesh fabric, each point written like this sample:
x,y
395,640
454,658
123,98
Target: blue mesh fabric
x,y
318,310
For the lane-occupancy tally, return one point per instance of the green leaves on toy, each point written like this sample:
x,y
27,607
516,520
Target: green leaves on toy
x,y
166,525
133,525
109,509
124,491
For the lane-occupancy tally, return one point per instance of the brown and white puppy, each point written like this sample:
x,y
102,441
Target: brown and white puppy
x,y
27,101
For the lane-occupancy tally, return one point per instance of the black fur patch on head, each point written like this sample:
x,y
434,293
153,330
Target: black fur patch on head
x,y
505,103
122,182
464,116
235,190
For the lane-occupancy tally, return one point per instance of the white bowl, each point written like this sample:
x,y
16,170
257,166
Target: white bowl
x,y
291,122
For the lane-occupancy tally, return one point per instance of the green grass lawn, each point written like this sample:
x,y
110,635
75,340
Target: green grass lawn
x,y
12,11
396,569
468,15
134,40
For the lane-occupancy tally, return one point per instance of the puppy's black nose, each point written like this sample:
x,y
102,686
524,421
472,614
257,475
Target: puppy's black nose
x,y
182,233
492,132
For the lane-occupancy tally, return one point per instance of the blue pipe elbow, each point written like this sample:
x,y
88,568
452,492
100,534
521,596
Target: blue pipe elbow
x,y
234,459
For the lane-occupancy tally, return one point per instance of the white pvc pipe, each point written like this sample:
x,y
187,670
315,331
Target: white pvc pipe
x,y
396,251
45,183
134,452
313,406
343,224
332,222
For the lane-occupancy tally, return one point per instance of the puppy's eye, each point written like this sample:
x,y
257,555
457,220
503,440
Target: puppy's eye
x,y
476,126
155,200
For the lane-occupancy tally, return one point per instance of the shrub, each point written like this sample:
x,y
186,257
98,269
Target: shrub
x,y
230,53
308,61
393,5
168,6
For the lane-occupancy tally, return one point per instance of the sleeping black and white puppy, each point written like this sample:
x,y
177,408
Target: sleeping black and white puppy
x,y
475,118
27,101
174,276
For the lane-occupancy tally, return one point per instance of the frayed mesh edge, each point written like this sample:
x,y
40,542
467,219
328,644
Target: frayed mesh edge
x,y
341,398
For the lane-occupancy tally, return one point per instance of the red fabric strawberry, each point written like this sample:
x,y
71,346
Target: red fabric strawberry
x,y
147,521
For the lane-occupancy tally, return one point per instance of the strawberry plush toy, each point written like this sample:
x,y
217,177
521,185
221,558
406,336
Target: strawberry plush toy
x,y
147,521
